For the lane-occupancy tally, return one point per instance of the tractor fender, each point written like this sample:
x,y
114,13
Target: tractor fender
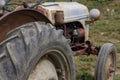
x,y
15,19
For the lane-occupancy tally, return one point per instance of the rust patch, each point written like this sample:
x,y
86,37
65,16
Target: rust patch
x,y
15,19
59,17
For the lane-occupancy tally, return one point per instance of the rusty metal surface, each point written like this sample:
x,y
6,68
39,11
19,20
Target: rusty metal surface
x,y
88,49
15,19
59,17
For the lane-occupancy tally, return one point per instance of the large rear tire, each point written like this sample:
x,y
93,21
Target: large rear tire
x,y
106,63
38,51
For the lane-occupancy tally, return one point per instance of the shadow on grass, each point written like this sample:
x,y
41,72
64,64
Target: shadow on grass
x,y
84,75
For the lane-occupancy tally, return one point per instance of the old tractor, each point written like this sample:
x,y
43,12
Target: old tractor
x,y
39,40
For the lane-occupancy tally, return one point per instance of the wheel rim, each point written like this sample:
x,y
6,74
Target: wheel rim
x,y
44,70
59,67
109,68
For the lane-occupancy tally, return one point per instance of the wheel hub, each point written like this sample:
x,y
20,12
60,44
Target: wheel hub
x,y
44,70
109,68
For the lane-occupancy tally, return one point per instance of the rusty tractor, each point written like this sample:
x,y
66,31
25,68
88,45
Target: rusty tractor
x,y
39,40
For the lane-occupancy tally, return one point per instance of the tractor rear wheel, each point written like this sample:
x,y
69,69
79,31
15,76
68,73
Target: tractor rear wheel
x,y
106,63
39,52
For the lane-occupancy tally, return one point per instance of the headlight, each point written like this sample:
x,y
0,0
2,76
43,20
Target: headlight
x,y
2,3
94,14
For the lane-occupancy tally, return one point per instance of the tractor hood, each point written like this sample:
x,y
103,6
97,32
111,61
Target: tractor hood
x,y
72,11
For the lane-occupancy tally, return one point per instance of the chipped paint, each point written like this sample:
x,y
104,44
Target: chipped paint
x,y
73,11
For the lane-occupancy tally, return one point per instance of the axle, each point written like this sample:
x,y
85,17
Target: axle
x,y
87,50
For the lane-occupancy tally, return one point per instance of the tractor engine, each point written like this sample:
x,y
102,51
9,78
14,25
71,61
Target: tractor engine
x,y
72,18
75,33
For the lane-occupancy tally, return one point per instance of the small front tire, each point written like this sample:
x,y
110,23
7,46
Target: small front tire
x,y
106,63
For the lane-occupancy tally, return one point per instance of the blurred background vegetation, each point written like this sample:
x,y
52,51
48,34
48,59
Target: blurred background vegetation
x,y
107,29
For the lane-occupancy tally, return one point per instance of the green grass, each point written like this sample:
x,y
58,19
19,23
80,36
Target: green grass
x,y
85,66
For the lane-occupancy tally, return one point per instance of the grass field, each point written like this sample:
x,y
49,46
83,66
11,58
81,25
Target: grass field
x,y
105,30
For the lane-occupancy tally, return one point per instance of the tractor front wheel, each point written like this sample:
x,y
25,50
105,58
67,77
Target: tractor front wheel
x,y
106,63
